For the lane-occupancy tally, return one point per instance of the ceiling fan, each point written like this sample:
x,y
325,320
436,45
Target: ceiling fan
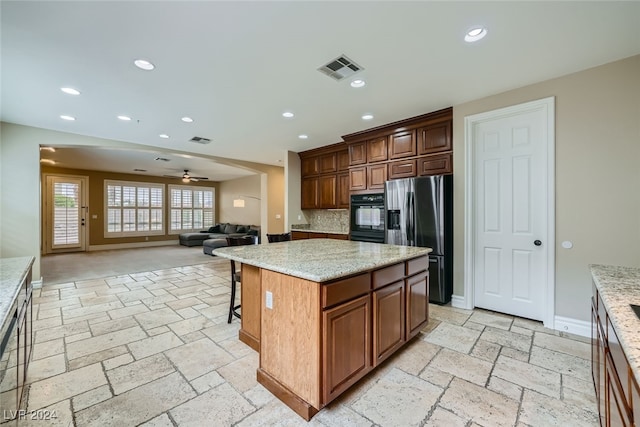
x,y
187,178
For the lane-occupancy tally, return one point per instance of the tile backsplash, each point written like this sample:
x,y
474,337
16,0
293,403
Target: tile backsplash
x,y
336,220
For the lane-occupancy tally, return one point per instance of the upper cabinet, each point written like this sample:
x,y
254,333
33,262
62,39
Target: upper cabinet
x,y
418,146
325,177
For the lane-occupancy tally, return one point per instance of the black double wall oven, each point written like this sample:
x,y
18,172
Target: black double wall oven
x,y
367,217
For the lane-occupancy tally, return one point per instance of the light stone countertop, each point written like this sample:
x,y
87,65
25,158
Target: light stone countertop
x,y
618,287
318,230
320,260
12,273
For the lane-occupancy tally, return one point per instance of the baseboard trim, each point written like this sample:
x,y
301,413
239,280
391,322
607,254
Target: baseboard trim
x,y
458,302
133,245
36,284
572,326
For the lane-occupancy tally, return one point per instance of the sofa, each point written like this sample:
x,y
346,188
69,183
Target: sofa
x,y
219,231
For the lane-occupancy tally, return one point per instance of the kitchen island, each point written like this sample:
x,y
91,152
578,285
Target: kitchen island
x,y
323,313
616,343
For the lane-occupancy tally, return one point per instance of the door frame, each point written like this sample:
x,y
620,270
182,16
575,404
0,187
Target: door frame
x,y
547,105
46,213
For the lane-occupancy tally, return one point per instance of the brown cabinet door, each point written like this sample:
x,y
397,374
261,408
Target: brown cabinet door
x,y
328,163
357,153
313,235
309,193
618,410
299,235
437,164
402,144
309,166
388,321
346,353
343,160
417,288
402,169
434,138
337,236
343,190
376,176
358,178
327,185
377,149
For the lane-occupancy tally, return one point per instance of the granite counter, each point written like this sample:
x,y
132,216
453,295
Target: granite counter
x,y
321,260
618,287
12,274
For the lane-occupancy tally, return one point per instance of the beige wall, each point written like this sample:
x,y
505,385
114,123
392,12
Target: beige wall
x,y
20,215
597,174
248,189
293,201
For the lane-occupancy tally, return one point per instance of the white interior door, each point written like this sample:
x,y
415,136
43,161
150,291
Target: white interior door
x,y
66,214
512,211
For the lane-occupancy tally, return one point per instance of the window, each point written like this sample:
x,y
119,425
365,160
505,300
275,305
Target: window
x,y
191,208
133,208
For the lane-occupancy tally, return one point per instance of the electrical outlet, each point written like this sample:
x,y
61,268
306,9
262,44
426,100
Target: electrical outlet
x,y
269,300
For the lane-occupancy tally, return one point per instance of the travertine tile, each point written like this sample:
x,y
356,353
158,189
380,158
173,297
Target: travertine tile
x,y
522,331
91,397
51,390
583,397
47,348
436,376
90,283
561,362
44,313
158,300
45,368
241,374
259,396
507,338
442,417
522,356
152,345
159,421
90,318
67,302
47,323
157,331
453,337
128,311
61,331
137,295
476,403
450,315
114,362
105,341
486,350
235,347
153,319
96,357
184,327
206,382
530,324
538,409
341,415
138,405
495,320
87,300
132,375
56,415
112,325
398,399
562,345
198,358
187,312
223,331
529,376
414,356
120,280
475,326
192,336
463,366
77,337
510,390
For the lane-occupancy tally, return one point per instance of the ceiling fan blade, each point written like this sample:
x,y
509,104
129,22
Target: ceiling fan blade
x,y
199,177
172,176
192,179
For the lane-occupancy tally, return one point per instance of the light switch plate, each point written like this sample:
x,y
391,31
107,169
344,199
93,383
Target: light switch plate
x,y
269,300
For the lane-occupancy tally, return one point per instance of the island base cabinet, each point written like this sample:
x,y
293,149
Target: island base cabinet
x,y
417,288
388,320
347,350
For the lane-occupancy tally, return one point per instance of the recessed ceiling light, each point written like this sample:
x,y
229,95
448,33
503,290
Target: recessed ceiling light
x,y
287,114
68,118
367,117
53,150
49,161
163,136
303,136
125,118
144,65
187,119
358,83
70,90
475,34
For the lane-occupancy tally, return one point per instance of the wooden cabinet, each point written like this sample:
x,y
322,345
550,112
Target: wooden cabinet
x,y
302,235
327,186
615,385
299,235
388,320
402,144
323,177
347,345
377,150
309,194
343,190
419,146
417,290
434,138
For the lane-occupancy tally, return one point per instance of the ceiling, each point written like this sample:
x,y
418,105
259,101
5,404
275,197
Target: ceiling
x,y
235,67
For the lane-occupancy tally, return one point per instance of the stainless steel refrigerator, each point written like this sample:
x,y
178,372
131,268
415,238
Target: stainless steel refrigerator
x,y
419,212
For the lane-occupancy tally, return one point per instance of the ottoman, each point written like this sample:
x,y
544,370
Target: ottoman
x,y
210,244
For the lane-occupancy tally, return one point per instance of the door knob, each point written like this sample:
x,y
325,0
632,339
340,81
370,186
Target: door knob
x,y
537,242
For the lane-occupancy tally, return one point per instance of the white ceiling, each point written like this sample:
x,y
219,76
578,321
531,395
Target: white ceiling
x,y
236,66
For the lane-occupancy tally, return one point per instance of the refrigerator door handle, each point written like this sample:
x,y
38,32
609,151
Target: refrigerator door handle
x,y
410,219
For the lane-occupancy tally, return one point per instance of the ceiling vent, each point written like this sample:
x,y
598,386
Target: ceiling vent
x,y
200,140
139,170
340,68
162,159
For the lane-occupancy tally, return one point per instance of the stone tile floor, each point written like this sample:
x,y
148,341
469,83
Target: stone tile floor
x,y
154,349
